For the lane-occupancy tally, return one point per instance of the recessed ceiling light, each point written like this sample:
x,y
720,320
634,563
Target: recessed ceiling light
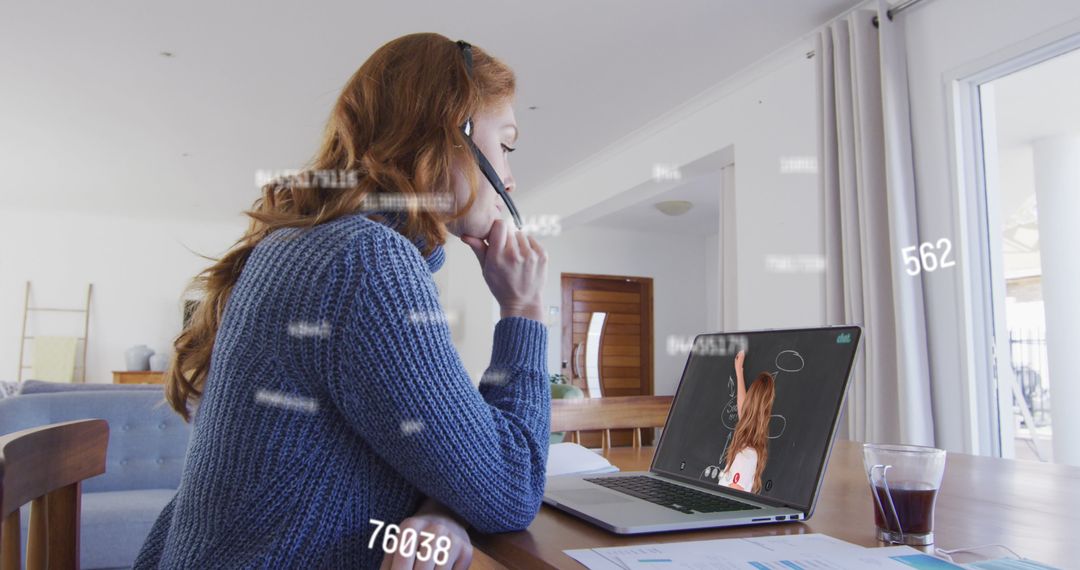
x,y
674,207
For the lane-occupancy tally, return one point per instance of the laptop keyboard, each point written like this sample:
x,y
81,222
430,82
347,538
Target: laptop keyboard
x,y
679,498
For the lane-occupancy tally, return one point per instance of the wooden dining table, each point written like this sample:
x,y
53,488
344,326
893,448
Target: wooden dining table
x,y
1031,507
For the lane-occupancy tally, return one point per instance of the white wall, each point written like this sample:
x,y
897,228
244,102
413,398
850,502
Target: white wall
x,y
942,36
139,267
766,113
713,291
674,262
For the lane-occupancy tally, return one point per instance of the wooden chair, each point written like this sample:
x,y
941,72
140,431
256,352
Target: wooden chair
x,y
634,412
46,466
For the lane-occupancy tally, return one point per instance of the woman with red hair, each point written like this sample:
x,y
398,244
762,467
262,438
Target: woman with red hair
x,y
332,404
748,450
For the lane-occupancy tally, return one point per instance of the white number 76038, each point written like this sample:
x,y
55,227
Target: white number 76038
x,y
407,542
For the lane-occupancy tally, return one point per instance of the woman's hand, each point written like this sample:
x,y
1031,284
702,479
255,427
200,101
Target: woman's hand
x,y
439,524
740,382
515,268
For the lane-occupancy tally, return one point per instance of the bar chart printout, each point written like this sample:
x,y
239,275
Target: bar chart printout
x,y
791,552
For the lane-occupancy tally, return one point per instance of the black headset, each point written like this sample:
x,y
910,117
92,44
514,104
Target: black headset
x,y
481,160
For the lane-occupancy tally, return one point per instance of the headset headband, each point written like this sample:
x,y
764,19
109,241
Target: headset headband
x,y
481,160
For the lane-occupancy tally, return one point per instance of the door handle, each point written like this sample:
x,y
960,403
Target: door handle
x,y
575,359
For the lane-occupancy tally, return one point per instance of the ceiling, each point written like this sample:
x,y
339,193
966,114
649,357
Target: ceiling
x,y
94,118
703,219
1038,101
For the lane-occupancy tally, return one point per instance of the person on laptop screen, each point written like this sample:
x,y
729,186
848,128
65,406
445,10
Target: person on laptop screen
x,y
749,448
746,441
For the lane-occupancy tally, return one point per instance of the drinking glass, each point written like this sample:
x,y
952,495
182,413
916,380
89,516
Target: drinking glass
x,y
904,482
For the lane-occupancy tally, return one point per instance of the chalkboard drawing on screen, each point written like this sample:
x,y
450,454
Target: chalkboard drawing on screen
x,y
750,424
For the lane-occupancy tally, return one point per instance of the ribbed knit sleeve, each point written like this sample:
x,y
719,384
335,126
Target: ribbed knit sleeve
x,y
402,387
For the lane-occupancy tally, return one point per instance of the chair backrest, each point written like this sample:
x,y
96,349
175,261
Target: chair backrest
x,y
45,466
148,441
622,412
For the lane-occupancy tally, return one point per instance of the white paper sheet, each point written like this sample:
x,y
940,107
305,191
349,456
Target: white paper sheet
x,y
785,552
570,458
792,555
769,547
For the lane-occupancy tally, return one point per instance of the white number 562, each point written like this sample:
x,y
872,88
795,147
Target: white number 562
x,y
927,260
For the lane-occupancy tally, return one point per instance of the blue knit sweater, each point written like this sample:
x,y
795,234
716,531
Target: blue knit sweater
x,y
335,396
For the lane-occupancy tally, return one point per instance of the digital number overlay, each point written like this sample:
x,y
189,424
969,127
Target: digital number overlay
x,y
404,541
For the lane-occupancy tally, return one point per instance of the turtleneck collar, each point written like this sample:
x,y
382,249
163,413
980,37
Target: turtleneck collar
x,y
434,259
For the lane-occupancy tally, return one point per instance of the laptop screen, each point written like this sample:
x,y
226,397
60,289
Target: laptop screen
x,y
775,444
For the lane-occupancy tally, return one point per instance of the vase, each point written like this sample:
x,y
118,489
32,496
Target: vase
x,y
138,358
159,361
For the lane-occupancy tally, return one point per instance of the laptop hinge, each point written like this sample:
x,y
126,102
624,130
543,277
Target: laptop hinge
x,y
775,503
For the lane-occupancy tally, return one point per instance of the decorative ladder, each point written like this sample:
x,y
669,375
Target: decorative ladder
x,y
84,338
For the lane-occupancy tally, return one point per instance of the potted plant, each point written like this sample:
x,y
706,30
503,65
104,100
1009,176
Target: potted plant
x,y
562,388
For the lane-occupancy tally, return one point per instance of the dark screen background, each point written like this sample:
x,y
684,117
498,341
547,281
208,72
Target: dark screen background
x,y
806,403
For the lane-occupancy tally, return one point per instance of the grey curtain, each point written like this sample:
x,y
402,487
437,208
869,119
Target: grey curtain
x,y
867,176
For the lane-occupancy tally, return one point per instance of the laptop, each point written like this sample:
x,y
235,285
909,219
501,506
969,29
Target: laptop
x,y
728,456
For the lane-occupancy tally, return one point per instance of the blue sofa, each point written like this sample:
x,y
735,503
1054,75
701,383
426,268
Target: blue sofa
x,y
147,447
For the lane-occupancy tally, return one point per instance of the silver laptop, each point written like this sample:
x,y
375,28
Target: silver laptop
x,y
731,456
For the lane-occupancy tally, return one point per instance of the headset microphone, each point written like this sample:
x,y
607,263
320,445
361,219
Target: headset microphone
x,y
481,160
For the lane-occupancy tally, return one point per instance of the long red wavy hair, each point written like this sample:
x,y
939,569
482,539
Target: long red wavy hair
x,y
395,129
752,430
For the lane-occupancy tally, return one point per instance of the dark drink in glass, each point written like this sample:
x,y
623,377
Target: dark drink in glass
x,y
904,483
914,504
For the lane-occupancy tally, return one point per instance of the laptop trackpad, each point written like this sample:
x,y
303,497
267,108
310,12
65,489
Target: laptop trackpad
x,y
592,497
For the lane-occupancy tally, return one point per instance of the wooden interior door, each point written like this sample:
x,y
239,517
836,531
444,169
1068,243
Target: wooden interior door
x,y
626,345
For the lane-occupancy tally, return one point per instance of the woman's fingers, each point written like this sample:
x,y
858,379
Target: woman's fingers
x,y
416,563
398,561
538,248
458,553
464,559
524,249
458,545
428,564
497,238
514,266
541,256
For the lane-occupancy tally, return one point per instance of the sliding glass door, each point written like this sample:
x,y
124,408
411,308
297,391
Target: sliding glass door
x,y
1031,169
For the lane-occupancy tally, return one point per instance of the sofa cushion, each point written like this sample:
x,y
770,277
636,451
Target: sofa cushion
x,y
45,386
114,525
147,439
